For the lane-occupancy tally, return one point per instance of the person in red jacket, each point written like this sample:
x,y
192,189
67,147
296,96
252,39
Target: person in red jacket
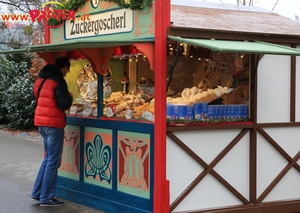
x,y
53,98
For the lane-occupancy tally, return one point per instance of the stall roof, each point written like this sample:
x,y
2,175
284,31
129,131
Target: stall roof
x,y
235,18
254,47
193,14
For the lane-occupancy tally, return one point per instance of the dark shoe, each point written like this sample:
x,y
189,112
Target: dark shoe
x,y
52,202
35,198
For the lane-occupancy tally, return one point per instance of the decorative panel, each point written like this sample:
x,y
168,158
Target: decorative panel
x,y
134,163
70,158
98,156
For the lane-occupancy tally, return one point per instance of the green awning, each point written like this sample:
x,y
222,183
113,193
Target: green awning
x,y
13,51
74,45
253,47
77,44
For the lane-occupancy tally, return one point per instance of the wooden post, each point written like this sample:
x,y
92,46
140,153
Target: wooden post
x,y
46,33
161,185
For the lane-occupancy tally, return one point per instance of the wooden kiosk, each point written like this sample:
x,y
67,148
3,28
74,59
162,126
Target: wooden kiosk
x,y
108,163
248,166
128,165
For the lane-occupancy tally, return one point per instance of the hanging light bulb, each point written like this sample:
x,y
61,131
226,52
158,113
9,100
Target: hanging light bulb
x,y
186,49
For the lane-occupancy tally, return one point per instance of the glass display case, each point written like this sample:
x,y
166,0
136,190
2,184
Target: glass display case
x,y
133,101
206,86
83,85
202,86
128,88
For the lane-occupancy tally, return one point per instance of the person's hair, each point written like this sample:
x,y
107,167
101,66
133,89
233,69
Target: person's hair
x,y
62,62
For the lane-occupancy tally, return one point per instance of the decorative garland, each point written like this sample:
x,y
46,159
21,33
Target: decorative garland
x,y
76,4
132,4
68,5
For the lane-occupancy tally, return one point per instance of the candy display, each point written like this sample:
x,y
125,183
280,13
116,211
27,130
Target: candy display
x,y
85,103
127,106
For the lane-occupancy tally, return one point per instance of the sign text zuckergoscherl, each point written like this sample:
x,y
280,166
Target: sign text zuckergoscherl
x,y
111,22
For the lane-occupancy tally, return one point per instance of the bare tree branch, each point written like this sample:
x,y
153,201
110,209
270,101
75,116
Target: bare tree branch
x,y
15,34
275,5
23,6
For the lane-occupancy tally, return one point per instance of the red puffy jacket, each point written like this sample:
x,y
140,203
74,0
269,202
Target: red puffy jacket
x,y
53,99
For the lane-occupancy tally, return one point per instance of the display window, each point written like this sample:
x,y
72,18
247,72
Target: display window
x,y
82,83
202,86
129,89
206,86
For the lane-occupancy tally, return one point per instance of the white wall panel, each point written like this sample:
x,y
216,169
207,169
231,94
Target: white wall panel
x,y
273,89
270,163
182,169
234,167
209,193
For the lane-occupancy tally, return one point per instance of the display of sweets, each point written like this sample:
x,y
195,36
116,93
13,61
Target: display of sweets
x,y
201,111
230,112
180,112
183,112
170,112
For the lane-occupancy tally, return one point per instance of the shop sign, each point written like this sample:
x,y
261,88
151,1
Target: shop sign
x,y
110,22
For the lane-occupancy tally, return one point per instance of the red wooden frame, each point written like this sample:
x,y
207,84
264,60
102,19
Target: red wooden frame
x,y
161,185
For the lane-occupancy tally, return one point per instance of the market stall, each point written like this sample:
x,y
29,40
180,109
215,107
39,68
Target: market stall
x,y
179,108
219,161
108,157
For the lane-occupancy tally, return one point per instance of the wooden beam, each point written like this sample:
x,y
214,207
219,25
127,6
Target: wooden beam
x,y
161,185
98,58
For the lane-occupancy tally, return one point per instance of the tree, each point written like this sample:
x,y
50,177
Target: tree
x,y
19,70
15,38
15,35
19,31
244,2
22,6
16,100
37,62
